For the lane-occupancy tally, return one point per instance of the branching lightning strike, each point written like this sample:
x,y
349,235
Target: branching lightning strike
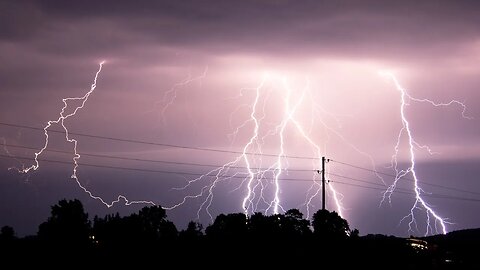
x,y
406,130
170,95
76,156
260,173
258,176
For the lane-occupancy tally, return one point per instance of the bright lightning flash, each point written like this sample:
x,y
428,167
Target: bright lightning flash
x,y
61,121
406,130
258,170
264,170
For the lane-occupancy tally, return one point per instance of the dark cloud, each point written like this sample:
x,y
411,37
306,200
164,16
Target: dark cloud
x,y
20,20
339,27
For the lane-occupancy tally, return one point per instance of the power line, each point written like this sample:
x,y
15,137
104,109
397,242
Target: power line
x,y
215,150
370,183
157,144
236,176
376,184
234,167
439,196
143,160
406,178
356,179
367,182
147,170
358,167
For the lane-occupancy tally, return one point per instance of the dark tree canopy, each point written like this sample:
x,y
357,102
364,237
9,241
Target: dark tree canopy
x,y
295,225
147,227
330,225
274,241
263,227
67,225
231,226
7,233
193,232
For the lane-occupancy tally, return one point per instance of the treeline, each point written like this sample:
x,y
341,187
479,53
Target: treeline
x,y
149,237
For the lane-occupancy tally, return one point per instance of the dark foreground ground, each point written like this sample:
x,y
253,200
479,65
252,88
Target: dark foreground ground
x,y
456,250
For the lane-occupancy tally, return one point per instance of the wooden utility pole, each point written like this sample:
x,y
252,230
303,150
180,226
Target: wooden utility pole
x,y
323,183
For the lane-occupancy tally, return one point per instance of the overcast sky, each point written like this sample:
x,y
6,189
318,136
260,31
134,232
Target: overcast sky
x,y
188,73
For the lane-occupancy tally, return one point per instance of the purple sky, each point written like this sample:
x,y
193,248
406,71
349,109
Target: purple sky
x,y
51,51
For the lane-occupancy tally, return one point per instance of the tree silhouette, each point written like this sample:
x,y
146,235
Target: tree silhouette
x,y
228,227
7,234
154,225
294,225
114,231
193,232
275,235
193,245
330,225
274,241
146,229
68,225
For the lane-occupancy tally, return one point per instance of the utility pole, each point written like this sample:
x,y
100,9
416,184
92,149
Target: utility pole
x,y
323,183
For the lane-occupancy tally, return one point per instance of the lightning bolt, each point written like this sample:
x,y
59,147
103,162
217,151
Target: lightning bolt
x,y
263,170
221,174
63,115
170,96
420,203
258,170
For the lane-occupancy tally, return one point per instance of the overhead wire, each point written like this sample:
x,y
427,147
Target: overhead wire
x,y
212,150
441,196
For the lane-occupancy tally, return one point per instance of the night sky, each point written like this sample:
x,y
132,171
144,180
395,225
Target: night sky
x,y
187,74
